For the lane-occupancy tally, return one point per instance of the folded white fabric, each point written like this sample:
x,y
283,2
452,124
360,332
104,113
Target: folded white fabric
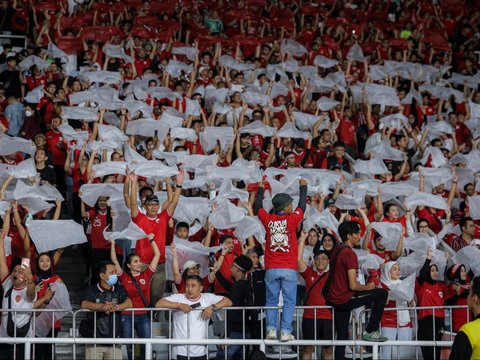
x,y
34,96
35,205
10,145
324,219
291,47
190,52
390,232
192,209
175,68
109,132
327,104
439,127
227,215
405,290
163,93
107,77
396,121
132,232
392,190
474,206
435,156
372,262
155,169
421,198
411,264
355,53
290,131
227,191
183,133
255,98
80,137
250,226
61,300
382,95
375,166
89,193
80,113
229,62
470,257
115,51
305,121
192,107
435,176
212,135
323,62
31,60
55,52
109,168
197,162
385,151
25,169
259,128
370,187
412,94
377,72
48,235
45,192
131,156
213,95
147,127
419,242
350,201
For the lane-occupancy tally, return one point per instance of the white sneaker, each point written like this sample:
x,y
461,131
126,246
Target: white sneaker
x,y
272,334
286,337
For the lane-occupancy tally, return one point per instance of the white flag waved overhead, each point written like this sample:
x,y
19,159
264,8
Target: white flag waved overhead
x,y
49,235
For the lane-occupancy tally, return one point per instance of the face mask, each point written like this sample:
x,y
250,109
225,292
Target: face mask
x,y
28,113
112,279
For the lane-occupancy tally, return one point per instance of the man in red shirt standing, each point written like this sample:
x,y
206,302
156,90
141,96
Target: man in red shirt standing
x,y
152,223
56,147
345,293
281,253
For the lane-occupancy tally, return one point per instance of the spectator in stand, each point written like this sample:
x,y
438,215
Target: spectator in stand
x,y
396,324
345,293
154,223
11,77
188,323
460,284
106,300
467,227
316,323
466,345
137,285
15,114
239,322
257,282
431,292
281,253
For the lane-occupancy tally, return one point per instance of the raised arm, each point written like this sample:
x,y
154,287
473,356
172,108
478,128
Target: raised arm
x,y
113,257
176,195
302,266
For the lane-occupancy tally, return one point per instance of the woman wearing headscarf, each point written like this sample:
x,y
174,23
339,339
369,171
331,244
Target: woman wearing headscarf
x,y
431,293
328,243
460,287
396,324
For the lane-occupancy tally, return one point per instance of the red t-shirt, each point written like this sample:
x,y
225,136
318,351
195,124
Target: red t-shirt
x,y
98,223
225,271
315,297
281,248
143,281
58,153
433,219
347,132
156,226
339,291
389,317
430,295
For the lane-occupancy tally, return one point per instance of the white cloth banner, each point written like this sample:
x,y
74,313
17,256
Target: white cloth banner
x,y
421,198
61,300
132,232
50,235
390,232
10,145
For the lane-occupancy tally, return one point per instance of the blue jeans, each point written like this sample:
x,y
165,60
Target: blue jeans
x,y
142,327
233,351
284,280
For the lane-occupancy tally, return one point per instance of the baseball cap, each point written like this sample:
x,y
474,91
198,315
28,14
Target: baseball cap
x,y
151,199
190,264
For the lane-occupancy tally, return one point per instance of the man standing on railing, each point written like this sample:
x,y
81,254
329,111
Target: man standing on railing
x,y
106,300
467,341
192,326
345,293
281,252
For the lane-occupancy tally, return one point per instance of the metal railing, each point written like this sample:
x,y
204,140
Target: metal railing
x,y
168,342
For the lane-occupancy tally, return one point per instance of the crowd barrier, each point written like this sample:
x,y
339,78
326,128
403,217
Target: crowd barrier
x,y
162,342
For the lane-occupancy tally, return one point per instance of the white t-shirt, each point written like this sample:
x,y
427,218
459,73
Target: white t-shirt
x,y
19,301
191,325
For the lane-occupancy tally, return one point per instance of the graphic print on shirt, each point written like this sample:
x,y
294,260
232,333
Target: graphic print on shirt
x,y
279,236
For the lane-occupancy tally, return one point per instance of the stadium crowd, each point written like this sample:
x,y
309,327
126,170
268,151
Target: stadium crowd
x,y
242,153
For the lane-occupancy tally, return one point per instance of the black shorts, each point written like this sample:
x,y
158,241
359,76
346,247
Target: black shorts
x,y
324,329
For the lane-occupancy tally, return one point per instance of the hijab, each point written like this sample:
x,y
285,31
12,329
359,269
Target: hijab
x,y
403,316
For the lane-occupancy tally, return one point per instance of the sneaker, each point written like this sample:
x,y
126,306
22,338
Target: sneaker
x,y
286,337
373,336
272,334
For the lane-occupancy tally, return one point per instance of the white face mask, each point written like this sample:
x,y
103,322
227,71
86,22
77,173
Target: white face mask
x,y
28,113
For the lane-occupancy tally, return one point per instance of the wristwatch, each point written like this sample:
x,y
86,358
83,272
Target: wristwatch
x,y
214,308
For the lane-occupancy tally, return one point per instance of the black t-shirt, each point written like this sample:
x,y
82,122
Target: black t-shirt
x,y
239,294
11,82
48,174
103,322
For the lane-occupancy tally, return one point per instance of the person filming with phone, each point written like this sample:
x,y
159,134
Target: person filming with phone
x,y
190,321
